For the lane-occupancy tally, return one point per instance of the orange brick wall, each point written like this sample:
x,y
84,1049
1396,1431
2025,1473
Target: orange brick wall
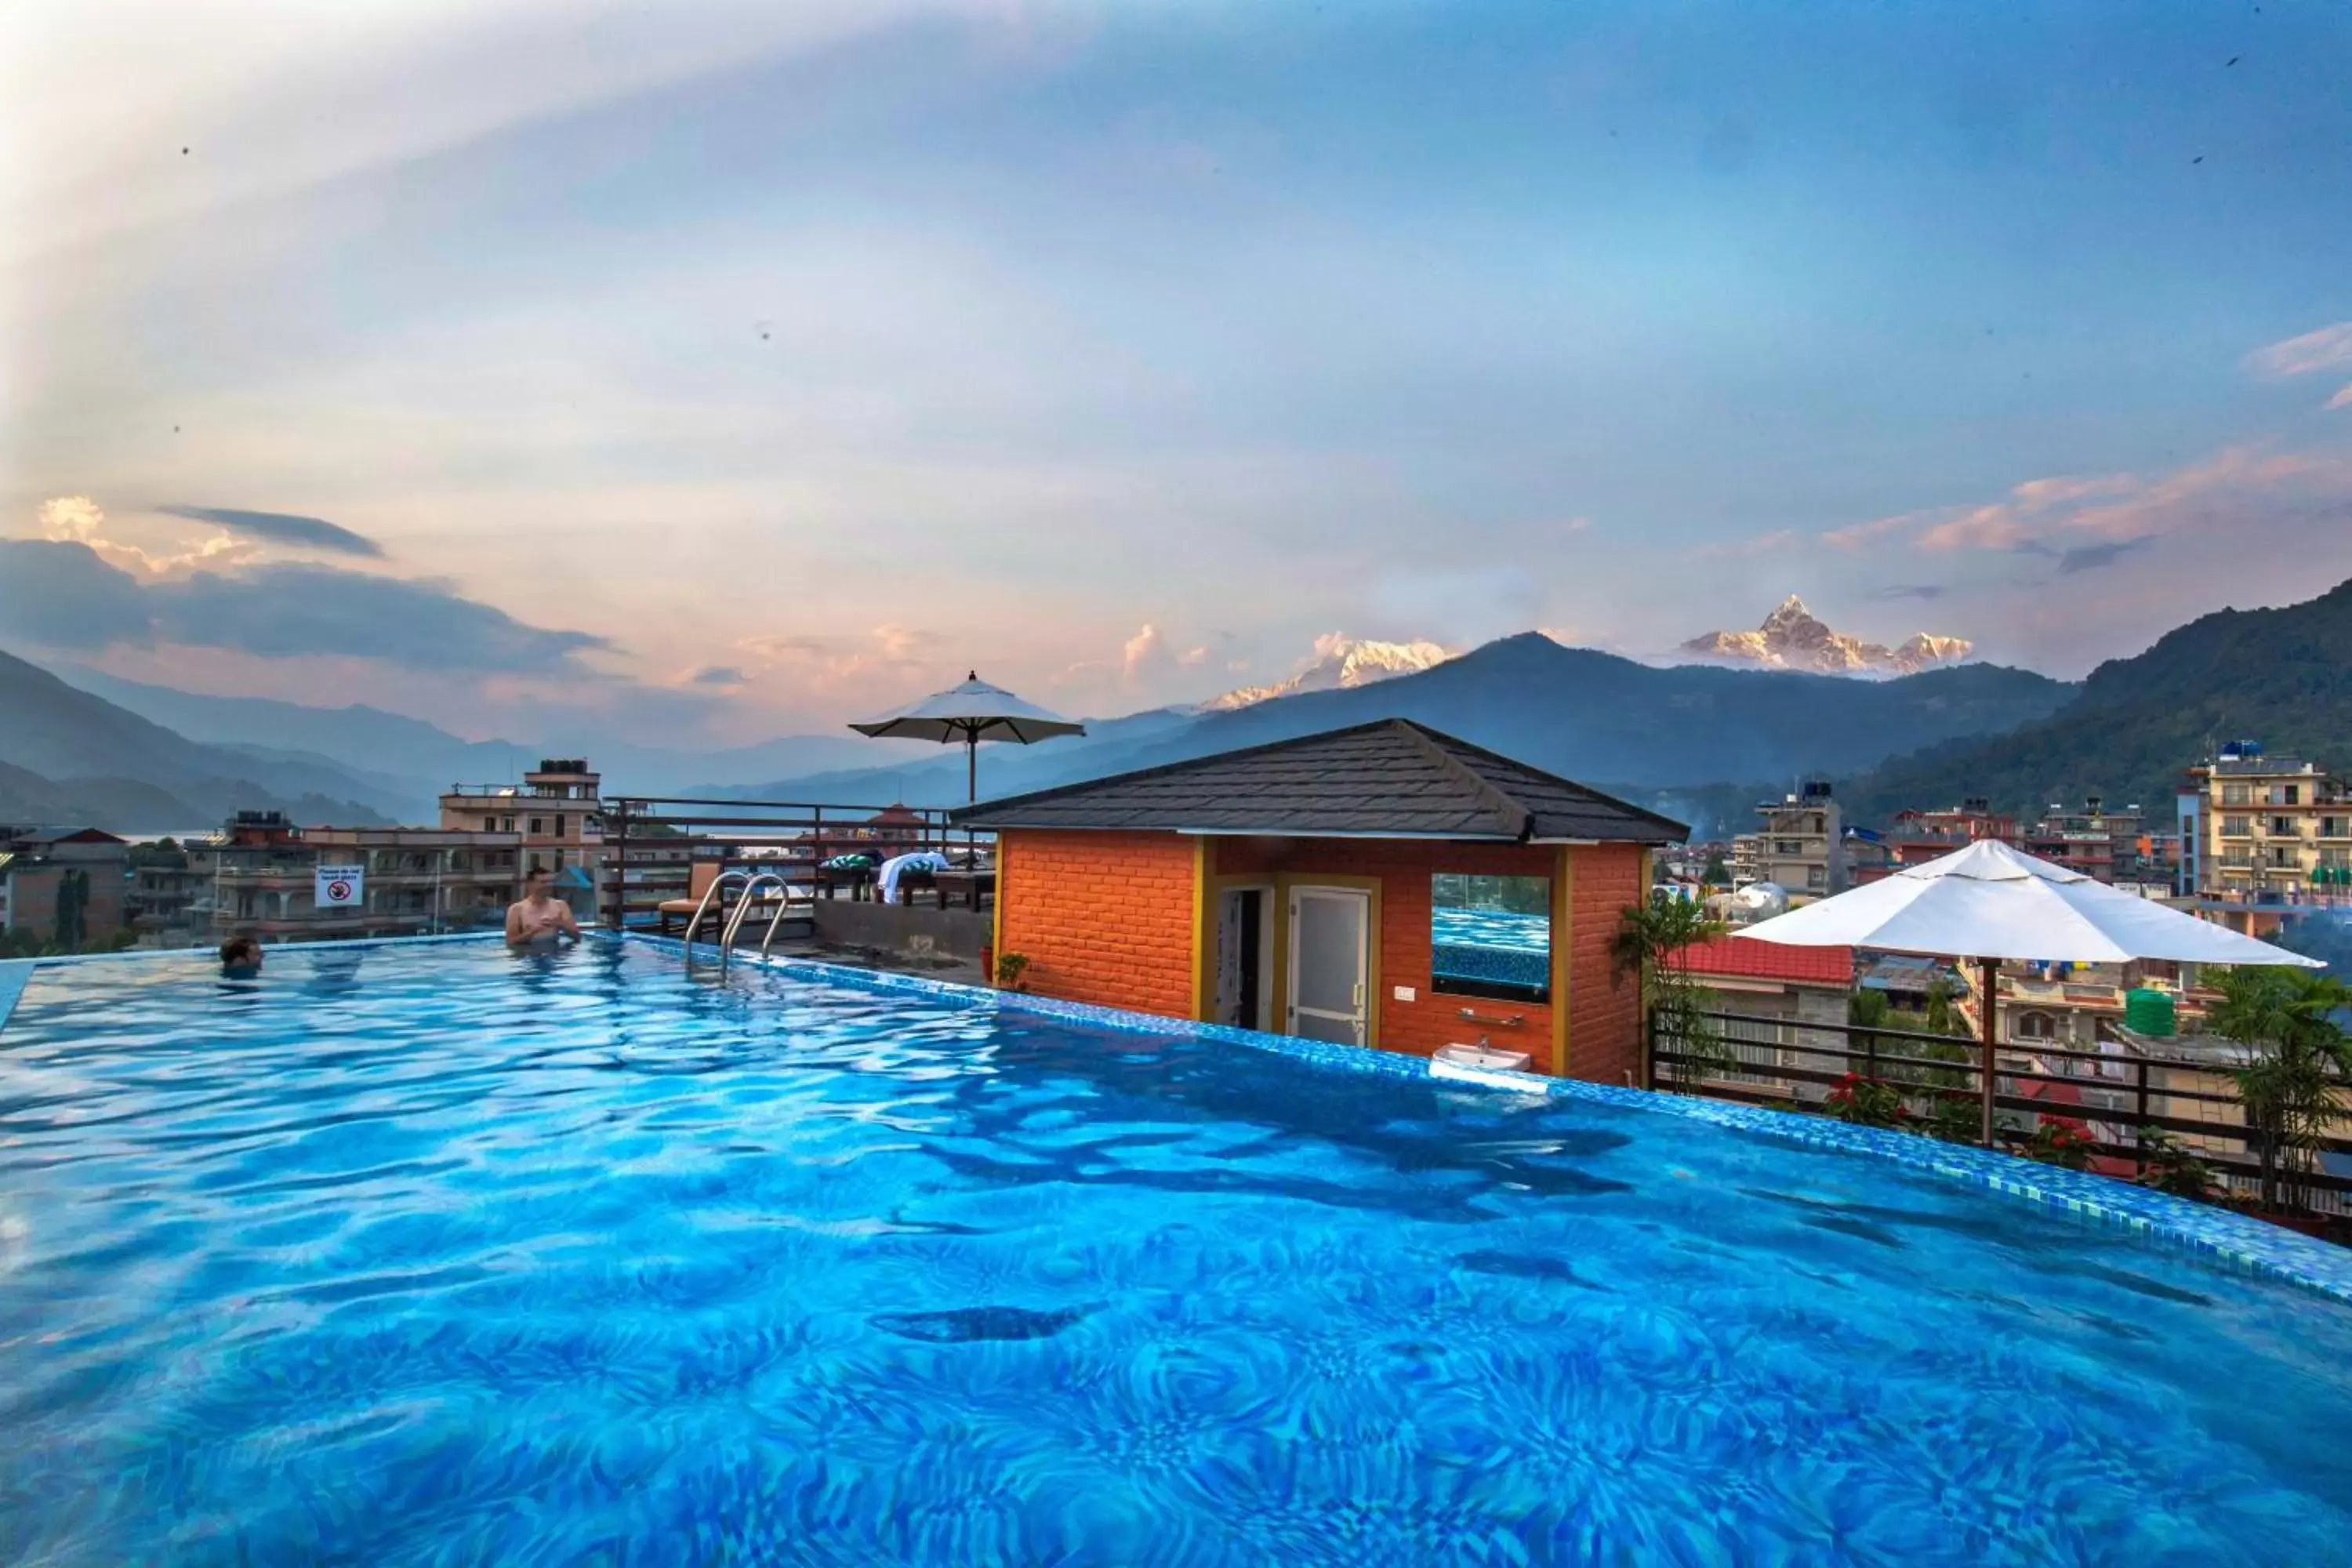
x,y
1604,1019
1105,918
1404,867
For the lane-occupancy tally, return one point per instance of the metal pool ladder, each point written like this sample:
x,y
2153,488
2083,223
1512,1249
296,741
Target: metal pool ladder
x,y
751,882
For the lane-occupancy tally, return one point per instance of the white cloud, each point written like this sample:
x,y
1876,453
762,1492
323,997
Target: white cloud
x,y
79,519
1141,654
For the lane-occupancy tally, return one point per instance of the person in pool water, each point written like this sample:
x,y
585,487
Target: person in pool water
x,y
539,916
240,959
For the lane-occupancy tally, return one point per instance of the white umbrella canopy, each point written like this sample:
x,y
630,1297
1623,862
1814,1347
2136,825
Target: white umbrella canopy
x,y
971,712
1989,901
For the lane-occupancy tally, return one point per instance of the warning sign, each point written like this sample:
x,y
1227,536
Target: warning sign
x,y
341,887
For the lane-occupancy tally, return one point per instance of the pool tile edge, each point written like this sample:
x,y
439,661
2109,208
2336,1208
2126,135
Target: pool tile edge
x,y
2260,1249
15,975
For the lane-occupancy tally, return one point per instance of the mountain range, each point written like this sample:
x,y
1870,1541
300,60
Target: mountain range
x,y
67,756
1701,742
2280,675
1636,729
1793,637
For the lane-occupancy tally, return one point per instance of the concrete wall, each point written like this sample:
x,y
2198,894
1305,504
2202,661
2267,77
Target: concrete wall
x,y
895,928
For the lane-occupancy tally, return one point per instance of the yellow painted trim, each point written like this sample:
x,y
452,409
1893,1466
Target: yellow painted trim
x,y
1264,882
1563,931
996,916
1643,873
1288,882
1201,935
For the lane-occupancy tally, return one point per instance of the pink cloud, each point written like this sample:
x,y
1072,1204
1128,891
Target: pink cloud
x,y
1855,535
2326,349
2213,495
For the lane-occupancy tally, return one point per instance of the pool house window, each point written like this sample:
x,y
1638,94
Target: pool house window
x,y
1491,936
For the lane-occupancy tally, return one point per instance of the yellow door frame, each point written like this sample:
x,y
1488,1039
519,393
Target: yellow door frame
x,y
1268,883
1563,934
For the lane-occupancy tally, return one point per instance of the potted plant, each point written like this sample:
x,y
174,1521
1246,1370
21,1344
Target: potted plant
x,y
2059,1140
2298,1066
1866,1102
1675,1006
1009,968
2173,1167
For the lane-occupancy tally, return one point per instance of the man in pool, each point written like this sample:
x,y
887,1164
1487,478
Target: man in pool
x,y
240,959
541,916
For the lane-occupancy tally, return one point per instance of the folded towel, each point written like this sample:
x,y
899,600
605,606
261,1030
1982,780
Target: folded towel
x,y
898,866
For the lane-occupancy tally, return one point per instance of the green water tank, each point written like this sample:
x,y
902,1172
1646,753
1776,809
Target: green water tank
x,y
2149,1011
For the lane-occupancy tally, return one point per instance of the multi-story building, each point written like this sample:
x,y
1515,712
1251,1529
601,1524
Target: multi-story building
x,y
62,886
258,877
2267,829
2101,844
1916,837
1800,844
164,891
556,811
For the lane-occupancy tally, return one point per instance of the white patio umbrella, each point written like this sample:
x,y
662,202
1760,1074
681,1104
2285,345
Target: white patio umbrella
x,y
971,712
1989,902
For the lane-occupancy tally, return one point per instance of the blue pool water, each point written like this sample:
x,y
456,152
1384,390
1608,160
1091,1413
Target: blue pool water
x,y
1491,944
433,1254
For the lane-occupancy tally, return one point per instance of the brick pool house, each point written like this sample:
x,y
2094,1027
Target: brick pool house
x,y
1383,885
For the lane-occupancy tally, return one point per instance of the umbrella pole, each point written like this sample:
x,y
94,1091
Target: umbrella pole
x,y
1987,974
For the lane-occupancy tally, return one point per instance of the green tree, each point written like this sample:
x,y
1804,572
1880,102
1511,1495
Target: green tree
x,y
1672,1005
2298,1066
1718,871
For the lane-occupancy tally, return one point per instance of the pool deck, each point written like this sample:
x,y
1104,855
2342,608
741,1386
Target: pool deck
x,y
2216,1233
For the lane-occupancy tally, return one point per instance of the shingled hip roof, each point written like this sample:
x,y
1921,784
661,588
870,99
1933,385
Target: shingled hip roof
x,y
1388,779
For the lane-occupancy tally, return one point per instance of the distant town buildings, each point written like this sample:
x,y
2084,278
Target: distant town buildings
x,y
1799,846
1918,836
556,811
2101,844
2258,830
61,887
258,877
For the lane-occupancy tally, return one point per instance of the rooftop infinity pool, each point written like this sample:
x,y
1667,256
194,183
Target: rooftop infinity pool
x,y
432,1254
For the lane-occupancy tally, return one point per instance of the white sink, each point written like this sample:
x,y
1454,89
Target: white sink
x,y
1482,1059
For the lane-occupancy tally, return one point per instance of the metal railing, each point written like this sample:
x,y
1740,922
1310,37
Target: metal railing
x,y
653,844
1796,1062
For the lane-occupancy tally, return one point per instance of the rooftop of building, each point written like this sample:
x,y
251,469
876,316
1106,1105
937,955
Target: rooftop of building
x,y
1737,957
1388,779
43,836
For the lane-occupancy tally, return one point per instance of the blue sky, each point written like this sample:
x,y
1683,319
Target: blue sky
x,y
1123,351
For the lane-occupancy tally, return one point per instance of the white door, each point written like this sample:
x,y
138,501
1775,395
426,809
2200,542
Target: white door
x,y
1330,930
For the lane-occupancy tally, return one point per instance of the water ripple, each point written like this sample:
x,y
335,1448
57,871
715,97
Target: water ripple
x,y
437,1255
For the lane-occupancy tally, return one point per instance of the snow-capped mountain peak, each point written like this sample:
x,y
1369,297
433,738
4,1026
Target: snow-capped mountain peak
x,y
1340,661
1793,637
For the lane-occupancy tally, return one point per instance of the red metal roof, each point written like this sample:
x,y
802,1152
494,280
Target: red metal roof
x,y
1737,957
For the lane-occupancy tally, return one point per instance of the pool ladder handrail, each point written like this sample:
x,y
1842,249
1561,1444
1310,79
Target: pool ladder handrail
x,y
751,882
743,912
718,886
